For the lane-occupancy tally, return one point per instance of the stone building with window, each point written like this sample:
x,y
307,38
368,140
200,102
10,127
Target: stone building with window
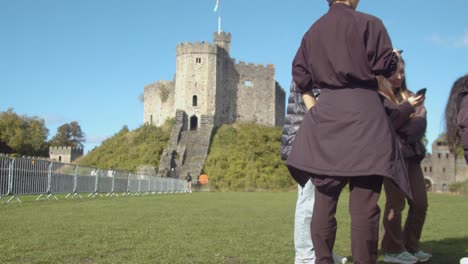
x,y
209,89
442,167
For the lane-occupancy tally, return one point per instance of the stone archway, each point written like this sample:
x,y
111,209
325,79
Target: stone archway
x,y
429,183
193,122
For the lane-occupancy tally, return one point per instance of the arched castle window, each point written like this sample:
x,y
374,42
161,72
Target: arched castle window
x,y
439,155
447,155
197,60
60,158
443,170
193,122
425,169
194,100
430,169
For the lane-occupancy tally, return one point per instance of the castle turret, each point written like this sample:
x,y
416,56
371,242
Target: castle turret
x,y
222,40
65,154
195,81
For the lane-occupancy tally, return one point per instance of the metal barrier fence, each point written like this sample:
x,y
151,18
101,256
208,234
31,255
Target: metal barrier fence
x,y
29,176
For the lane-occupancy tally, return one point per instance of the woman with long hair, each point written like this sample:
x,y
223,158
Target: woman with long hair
x,y
408,116
456,116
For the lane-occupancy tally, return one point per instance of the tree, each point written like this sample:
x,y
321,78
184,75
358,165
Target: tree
x,y
24,135
69,134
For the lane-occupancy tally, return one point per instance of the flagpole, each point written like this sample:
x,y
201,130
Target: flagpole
x,y
218,9
219,18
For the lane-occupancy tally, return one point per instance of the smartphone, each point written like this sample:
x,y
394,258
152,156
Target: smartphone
x,y
421,92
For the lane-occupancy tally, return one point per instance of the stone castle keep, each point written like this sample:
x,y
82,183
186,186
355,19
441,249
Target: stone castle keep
x,y
209,89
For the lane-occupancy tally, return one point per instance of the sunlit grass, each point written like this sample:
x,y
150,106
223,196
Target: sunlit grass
x,y
191,228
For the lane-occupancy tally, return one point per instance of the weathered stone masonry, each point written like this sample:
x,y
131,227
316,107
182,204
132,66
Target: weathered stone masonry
x,y
209,89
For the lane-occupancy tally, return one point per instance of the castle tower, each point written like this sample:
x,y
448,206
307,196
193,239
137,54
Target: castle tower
x,y
222,40
195,80
65,154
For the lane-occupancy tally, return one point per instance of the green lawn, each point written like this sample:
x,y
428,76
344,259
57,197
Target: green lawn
x,y
224,228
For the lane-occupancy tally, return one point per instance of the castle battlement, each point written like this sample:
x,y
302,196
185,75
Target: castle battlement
x,y
222,36
66,148
65,153
196,47
255,67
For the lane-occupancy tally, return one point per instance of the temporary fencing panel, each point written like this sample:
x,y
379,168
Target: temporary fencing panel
x,y
4,175
86,180
133,183
106,178
120,181
29,176
62,178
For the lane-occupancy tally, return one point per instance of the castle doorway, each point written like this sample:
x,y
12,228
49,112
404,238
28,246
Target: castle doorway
x,y
193,122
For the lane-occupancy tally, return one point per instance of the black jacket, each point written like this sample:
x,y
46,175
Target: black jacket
x,y
294,115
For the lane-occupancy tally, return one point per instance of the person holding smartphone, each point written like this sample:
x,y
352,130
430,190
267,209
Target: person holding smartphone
x,y
408,116
346,138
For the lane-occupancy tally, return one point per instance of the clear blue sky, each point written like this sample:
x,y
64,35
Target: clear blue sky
x,y
88,60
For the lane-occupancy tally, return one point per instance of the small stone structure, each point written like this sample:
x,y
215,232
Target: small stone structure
x,y
442,167
65,154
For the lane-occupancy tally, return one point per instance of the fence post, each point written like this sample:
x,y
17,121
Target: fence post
x,y
49,185
113,184
96,185
10,182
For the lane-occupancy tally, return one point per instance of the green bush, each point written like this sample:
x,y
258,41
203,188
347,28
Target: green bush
x,y
127,150
246,157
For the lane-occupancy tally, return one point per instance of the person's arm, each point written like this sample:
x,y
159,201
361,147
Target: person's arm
x,y
382,57
309,99
462,121
300,70
415,128
398,113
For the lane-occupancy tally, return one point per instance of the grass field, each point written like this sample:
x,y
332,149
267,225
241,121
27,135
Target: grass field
x,y
224,228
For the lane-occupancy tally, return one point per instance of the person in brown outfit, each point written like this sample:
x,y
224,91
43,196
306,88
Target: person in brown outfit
x,y
346,137
408,116
456,116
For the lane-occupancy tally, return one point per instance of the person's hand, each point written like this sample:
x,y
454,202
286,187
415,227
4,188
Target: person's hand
x,y
416,100
397,53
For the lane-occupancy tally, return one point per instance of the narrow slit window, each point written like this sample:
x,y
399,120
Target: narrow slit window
x,y
194,100
198,60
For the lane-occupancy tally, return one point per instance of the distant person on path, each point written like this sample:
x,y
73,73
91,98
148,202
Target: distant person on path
x,y
408,116
346,137
297,107
456,116
188,178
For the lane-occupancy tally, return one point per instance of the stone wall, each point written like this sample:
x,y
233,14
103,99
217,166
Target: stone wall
x,y
158,102
442,168
256,93
65,154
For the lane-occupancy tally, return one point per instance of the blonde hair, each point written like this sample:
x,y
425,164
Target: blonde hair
x,y
403,88
385,88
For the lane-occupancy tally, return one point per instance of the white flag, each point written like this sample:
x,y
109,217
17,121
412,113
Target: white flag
x,y
216,6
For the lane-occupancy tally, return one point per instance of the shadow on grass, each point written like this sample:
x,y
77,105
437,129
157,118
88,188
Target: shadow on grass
x,y
449,250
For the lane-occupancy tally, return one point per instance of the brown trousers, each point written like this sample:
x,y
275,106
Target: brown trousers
x,y
394,238
365,214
